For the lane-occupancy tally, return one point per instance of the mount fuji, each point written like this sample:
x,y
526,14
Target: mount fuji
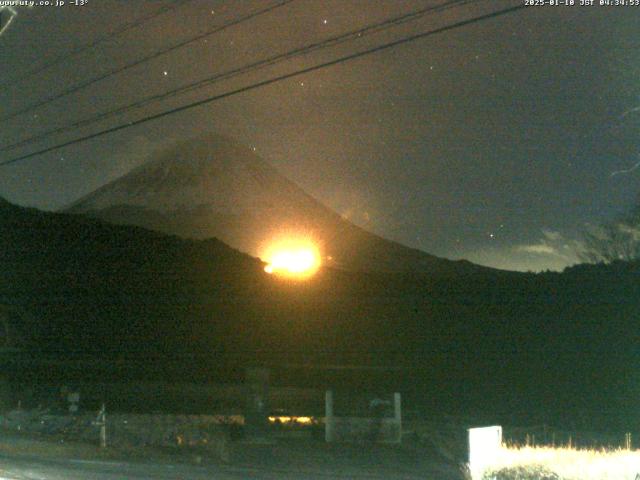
x,y
212,186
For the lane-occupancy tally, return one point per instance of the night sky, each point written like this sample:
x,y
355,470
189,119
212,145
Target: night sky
x,y
494,142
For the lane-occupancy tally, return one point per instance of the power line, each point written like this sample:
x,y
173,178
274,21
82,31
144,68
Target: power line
x,y
270,81
111,73
81,49
330,42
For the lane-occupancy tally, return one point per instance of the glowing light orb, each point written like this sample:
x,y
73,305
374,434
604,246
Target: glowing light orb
x,y
292,258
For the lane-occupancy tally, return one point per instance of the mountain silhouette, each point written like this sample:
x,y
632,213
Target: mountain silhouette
x,y
212,186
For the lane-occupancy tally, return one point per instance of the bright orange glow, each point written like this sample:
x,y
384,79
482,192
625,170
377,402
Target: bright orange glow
x,y
304,420
295,258
285,419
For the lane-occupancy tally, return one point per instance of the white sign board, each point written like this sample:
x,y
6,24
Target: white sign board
x,y
484,448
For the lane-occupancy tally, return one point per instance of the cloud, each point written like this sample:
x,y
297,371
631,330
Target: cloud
x,y
551,243
556,244
631,231
541,248
551,235
552,251
514,258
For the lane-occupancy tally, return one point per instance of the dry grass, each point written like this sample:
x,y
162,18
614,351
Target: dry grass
x,y
27,445
529,463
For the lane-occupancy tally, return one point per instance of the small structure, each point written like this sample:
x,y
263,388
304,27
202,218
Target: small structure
x,y
378,426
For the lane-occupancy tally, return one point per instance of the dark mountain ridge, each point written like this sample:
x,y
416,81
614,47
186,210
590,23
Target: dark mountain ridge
x,y
540,347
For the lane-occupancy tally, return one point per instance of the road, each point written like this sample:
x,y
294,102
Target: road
x,y
37,468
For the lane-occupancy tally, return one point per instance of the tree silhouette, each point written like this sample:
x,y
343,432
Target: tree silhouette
x,y
615,240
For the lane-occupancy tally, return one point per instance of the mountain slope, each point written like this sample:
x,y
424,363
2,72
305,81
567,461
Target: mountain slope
x,y
213,187
537,348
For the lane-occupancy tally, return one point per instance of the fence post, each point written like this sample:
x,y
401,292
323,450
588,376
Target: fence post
x,y
397,414
103,428
101,421
328,417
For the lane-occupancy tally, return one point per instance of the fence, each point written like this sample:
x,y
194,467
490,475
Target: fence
x,y
376,425
125,430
